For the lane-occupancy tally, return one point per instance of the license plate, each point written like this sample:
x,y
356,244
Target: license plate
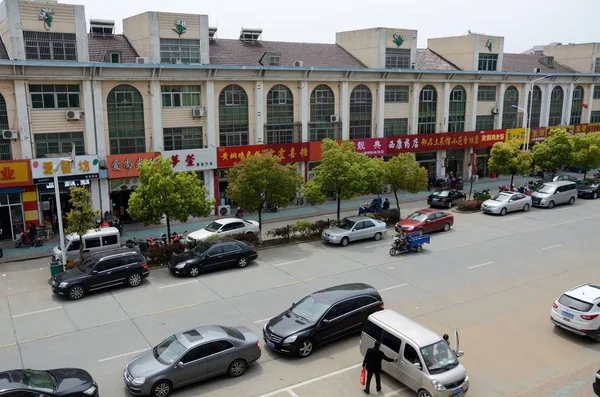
x,y
457,391
324,238
270,344
436,200
568,315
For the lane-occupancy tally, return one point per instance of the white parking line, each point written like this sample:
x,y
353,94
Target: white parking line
x,y
178,284
289,263
511,219
122,355
264,320
376,245
394,287
552,246
291,393
481,265
36,312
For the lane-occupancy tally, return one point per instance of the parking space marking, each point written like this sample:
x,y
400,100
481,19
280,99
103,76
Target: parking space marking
x,y
394,287
288,284
122,355
511,219
552,246
37,312
289,263
175,308
7,345
178,284
376,245
481,265
264,320
291,393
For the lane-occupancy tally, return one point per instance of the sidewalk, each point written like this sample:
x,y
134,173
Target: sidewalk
x,y
270,220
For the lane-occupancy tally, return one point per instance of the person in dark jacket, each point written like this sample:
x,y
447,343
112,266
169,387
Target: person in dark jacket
x,y
372,363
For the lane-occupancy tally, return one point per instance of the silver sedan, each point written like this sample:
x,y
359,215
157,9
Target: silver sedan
x,y
355,228
191,356
505,202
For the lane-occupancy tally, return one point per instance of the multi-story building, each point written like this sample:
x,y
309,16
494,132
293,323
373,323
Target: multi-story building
x,y
170,86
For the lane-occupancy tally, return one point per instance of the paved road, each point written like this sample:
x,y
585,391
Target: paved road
x,y
493,278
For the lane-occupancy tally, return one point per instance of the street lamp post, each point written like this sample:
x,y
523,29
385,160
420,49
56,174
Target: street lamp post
x,y
61,232
528,112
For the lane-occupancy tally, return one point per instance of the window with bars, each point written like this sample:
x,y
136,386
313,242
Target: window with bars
x,y
556,107
125,110
597,65
396,93
597,92
486,93
233,116
54,96
183,138
322,107
595,116
395,127
427,110
397,58
484,122
177,96
280,115
488,62
536,107
457,111
510,114
361,103
58,143
576,105
5,146
50,46
183,50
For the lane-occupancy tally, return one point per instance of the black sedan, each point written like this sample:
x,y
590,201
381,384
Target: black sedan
x,y
63,382
213,255
445,198
596,384
589,188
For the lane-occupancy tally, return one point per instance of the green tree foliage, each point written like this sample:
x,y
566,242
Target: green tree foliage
x,y
80,218
506,158
164,193
343,173
555,151
586,151
258,180
403,172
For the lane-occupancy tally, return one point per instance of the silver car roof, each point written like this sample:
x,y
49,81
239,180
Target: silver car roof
x,y
199,335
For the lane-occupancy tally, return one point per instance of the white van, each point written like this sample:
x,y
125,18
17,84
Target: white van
x,y
554,193
95,240
426,364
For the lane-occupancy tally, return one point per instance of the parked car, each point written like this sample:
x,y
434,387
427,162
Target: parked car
x,y
354,228
505,202
223,227
95,240
596,384
554,193
559,178
191,356
63,382
322,317
123,266
445,198
589,188
426,221
578,311
212,255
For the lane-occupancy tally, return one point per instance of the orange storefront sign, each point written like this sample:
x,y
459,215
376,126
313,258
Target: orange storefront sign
x,y
15,173
126,165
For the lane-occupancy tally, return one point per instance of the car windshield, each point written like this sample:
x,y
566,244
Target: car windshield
x,y
41,380
590,183
213,227
347,224
439,357
417,216
503,198
168,350
548,189
310,309
87,265
200,248
442,193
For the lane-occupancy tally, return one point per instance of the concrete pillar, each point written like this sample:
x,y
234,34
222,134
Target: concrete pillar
x,y
468,167
440,169
546,96
302,170
209,182
90,135
345,109
99,130
568,104
211,133
445,108
414,110
500,106
380,109
23,117
81,33
16,46
304,111
472,122
154,37
204,40
524,104
259,119
156,112
587,113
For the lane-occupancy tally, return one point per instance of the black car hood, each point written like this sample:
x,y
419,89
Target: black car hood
x,y
71,379
69,275
186,257
286,324
585,187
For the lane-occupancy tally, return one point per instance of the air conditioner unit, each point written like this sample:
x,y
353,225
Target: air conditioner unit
x,y
73,114
198,112
495,110
298,64
10,134
386,189
536,70
141,60
333,118
224,210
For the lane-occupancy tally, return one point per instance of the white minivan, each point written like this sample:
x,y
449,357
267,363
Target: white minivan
x,y
95,240
426,363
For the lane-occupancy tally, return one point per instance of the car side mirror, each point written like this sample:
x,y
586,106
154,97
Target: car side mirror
x,y
326,321
418,366
460,353
293,304
179,364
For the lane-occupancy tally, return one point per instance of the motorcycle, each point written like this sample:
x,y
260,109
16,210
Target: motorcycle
x,y
178,238
478,194
239,213
270,208
23,239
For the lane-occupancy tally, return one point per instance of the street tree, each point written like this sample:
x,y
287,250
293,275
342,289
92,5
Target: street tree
x,y
258,180
586,152
508,159
403,172
80,217
164,193
344,174
555,151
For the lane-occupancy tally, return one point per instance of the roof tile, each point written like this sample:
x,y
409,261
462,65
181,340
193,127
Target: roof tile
x,y
429,60
3,52
99,46
526,63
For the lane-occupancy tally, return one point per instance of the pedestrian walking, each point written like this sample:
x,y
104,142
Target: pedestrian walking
x,y
372,363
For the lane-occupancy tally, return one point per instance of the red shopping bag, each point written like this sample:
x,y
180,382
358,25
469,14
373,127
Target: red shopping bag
x,y
363,377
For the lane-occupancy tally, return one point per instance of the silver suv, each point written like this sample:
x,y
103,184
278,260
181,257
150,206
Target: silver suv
x,y
578,311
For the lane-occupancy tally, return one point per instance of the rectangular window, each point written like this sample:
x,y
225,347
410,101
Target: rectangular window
x,y
50,46
595,116
176,96
396,58
395,127
597,92
486,93
597,65
183,138
484,123
396,93
58,143
179,50
54,96
115,57
488,62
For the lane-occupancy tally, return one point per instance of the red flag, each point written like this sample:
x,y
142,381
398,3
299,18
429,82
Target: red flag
x,y
584,105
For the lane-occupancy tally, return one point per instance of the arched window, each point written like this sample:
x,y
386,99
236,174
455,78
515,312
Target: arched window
x,y
361,104
280,116
427,110
233,116
125,108
322,108
457,111
556,106
5,149
535,107
510,114
576,105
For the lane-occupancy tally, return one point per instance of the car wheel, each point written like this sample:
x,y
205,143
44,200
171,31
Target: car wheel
x,y
392,252
237,368
305,348
449,204
76,292
194,271
551,204
446,226
18,244
377,236
595,195
503,211
419,248
526,207
572,201
161,388
344,241
134,279
242,262
423,393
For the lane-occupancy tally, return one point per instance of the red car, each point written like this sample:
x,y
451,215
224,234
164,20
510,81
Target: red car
x,y
426,221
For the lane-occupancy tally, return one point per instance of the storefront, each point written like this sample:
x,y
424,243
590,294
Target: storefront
x,y
487,140
18,203
193,160
427,160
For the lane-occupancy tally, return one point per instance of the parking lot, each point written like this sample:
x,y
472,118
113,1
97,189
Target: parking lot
x,y
493,278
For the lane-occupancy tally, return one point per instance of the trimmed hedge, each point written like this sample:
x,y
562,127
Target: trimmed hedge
x,y
469,205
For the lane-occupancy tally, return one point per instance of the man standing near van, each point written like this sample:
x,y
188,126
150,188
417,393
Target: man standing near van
x,y
372,363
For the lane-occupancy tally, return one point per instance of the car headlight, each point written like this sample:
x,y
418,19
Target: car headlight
x,y
291,339
180,265
439,386
63,284
138,381
265,326
466,379
410,228
90,391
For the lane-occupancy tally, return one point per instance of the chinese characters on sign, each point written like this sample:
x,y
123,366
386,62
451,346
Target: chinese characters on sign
x,y
84,167
288,152
126,165
192,160
488,138
15,173
371,146
432,142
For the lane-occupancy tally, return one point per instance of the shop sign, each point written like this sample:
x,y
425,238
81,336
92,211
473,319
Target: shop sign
x,y
489,138
117,185
538,134
593,127
515,135
372,147
67,184
126,165
228,156
15,173
84,167
432,142
290,152
192,160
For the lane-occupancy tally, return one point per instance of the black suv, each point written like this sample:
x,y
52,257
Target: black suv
x,y
102,270
321,317
63,382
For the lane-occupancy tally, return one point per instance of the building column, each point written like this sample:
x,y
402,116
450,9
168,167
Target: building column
x,y
81,33
90,134
586,117
524,103
156,111
304,111
345,110
301,168
259,106
546,94
16,45
440,168
468,167
500,106
154,38
209,183
472,124
211,133
100,188
25,134
414,110
445,108
568,104
380,110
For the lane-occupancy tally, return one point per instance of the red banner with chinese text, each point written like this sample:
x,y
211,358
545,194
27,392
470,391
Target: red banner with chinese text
x,y
290,152
432,142
228,156
126,165
489,138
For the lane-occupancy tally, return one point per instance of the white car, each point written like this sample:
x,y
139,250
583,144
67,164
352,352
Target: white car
x,y
504,202
223,227
578,311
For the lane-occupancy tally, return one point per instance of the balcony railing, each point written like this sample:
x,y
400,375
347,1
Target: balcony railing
x,y
283,133
317,131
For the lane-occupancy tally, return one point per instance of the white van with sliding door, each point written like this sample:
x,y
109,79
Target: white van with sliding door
x,y
95,240
426,363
